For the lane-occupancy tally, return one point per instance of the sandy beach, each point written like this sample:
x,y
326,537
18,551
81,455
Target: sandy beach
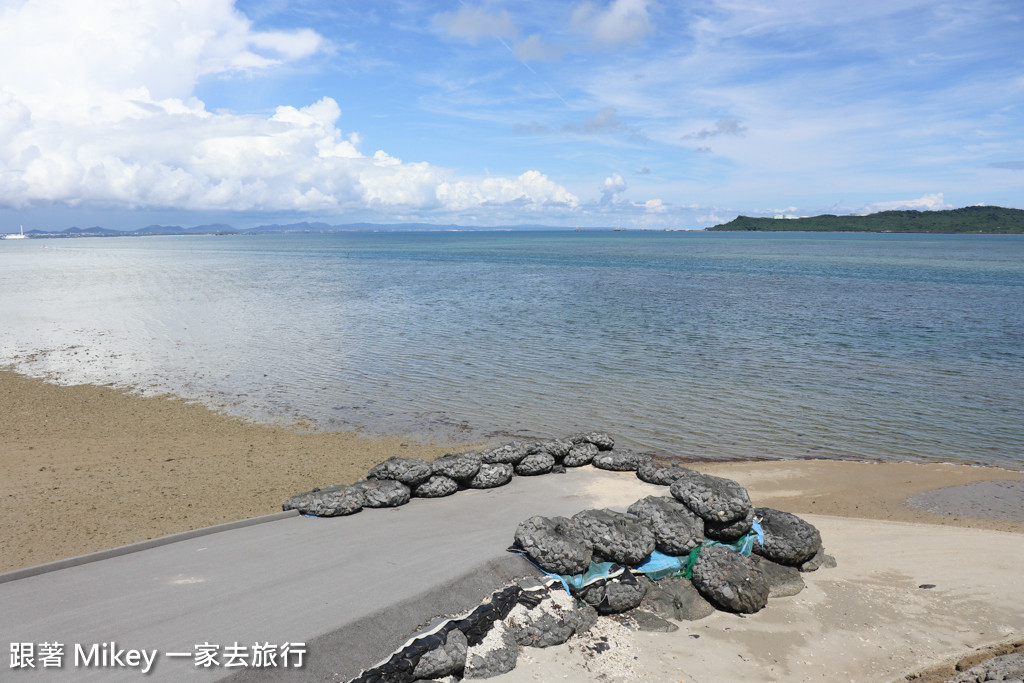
x,y
85,468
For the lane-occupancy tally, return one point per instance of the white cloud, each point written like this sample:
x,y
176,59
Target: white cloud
x,y
929,202
101,112
620,23
613,186
531,190
473,23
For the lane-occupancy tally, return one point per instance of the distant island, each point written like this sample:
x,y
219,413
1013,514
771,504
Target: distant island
x,y
971,219
303,227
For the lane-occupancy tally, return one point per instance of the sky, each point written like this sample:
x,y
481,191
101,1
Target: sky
x,y
631,113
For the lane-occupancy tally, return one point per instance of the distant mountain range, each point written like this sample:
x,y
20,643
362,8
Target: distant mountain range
x,y
970,219
225,229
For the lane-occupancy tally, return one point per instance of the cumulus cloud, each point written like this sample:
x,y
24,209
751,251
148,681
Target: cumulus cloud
x,y
724,126
473,23
101,111
613,186
620,23
929,202
653,206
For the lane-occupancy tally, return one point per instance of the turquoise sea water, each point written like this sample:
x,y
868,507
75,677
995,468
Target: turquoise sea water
x,y
710,345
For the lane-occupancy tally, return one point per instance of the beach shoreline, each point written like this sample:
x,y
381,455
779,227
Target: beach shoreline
x,y
86,468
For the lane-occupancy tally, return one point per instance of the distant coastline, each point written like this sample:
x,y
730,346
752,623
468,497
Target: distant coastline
x,y
991,220
290,228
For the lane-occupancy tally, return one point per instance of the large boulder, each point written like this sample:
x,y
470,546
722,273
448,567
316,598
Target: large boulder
x,y
615,536
557,448
510,453
491,476
333,501
383,493
676,598
554,544
437,486
661,473
676,529
618,461
730,581
409,471
788,539
535,463
579,455
714,499
617,594
729,531
457,466
446,659
603,441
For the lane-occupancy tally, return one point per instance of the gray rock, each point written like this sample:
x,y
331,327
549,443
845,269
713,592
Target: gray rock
x,y
615,536
730,581
552,622
457,466
438,486
383,493
676,529
333,501
820,559
590,617
558,448
729,531
497,654
448,659
510,453
554,544
618,461
661,473
1006,668
491,476
579,455
648,621
603,441
616,595
409,471
782,581
714,499
535,463
676,598
788,539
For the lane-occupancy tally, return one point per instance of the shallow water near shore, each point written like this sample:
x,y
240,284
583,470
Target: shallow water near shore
x,y
707,345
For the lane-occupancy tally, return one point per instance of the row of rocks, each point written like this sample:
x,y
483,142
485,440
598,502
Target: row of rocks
x,y
397,480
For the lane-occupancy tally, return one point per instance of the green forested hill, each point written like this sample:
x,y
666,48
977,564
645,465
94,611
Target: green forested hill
x,y
971,219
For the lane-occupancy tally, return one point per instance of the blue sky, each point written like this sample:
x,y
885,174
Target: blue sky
x,y
629,112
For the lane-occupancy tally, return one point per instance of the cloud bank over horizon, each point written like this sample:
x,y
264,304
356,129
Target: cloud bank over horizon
x,y
632,112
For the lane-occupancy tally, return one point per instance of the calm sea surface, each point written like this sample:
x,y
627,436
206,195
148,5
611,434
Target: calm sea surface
x,y
892,347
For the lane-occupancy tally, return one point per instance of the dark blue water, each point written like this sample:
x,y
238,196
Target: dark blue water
x,y
892,347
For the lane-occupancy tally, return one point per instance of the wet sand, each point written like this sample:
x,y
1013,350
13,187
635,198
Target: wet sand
x,y
85,468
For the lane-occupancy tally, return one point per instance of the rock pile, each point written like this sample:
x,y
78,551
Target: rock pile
x,y
722,552
396,480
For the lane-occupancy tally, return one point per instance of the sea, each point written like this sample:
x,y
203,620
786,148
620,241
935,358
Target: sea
x,y
720,346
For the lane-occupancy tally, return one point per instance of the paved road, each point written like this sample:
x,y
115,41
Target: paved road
x,y
352,589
